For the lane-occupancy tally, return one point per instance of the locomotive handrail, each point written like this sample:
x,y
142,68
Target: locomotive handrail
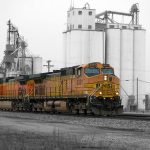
x,y
28,94
94,91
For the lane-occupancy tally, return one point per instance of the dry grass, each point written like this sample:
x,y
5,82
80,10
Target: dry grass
x,y
10,140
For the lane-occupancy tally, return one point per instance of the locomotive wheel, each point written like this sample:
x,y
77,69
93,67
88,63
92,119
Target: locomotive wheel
x,y
99,112
84,111
77,112
119,111
96,111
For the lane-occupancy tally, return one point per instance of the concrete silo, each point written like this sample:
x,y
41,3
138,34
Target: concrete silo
x,y
113,48
139,66
37,65
68,48
64,49
75,48
97,46
85,46
126,64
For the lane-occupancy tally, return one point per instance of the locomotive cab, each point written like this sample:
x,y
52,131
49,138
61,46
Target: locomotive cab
x,y
94,69
107,69
101,86
89,70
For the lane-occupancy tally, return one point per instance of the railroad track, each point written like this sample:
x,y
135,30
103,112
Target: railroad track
x,y
134,116
124,116
141,117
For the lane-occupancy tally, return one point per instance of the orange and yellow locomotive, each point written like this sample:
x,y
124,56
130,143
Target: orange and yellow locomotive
x,y
90,88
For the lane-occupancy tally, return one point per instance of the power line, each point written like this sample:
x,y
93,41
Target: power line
x,y
136,79
144,81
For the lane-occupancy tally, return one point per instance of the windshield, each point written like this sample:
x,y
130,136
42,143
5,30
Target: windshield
x,y
92,71
107,71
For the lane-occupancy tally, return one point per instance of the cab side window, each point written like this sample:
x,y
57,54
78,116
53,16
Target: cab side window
x,y
79,71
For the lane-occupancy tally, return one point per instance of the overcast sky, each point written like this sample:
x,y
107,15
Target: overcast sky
x,y
42,22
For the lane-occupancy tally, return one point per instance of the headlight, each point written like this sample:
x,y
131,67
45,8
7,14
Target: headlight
x,y
105,78
100,93
117,93
85,92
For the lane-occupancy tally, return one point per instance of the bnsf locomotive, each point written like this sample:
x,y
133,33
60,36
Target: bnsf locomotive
x,y
90,88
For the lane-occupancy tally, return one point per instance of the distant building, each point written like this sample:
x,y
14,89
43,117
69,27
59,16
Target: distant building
x,y
15,61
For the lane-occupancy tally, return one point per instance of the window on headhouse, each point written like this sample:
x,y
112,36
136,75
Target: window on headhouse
x,y
90,13
73,26
68,15
73,13
89,27
79,26
79,12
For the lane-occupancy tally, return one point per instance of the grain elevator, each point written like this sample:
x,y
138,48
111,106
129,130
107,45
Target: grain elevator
x,y
16,62
82,43
102,37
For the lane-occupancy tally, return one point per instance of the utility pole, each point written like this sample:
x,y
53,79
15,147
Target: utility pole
x,y
137,82
49,65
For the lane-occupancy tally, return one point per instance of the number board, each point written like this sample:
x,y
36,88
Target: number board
x,y
92,65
